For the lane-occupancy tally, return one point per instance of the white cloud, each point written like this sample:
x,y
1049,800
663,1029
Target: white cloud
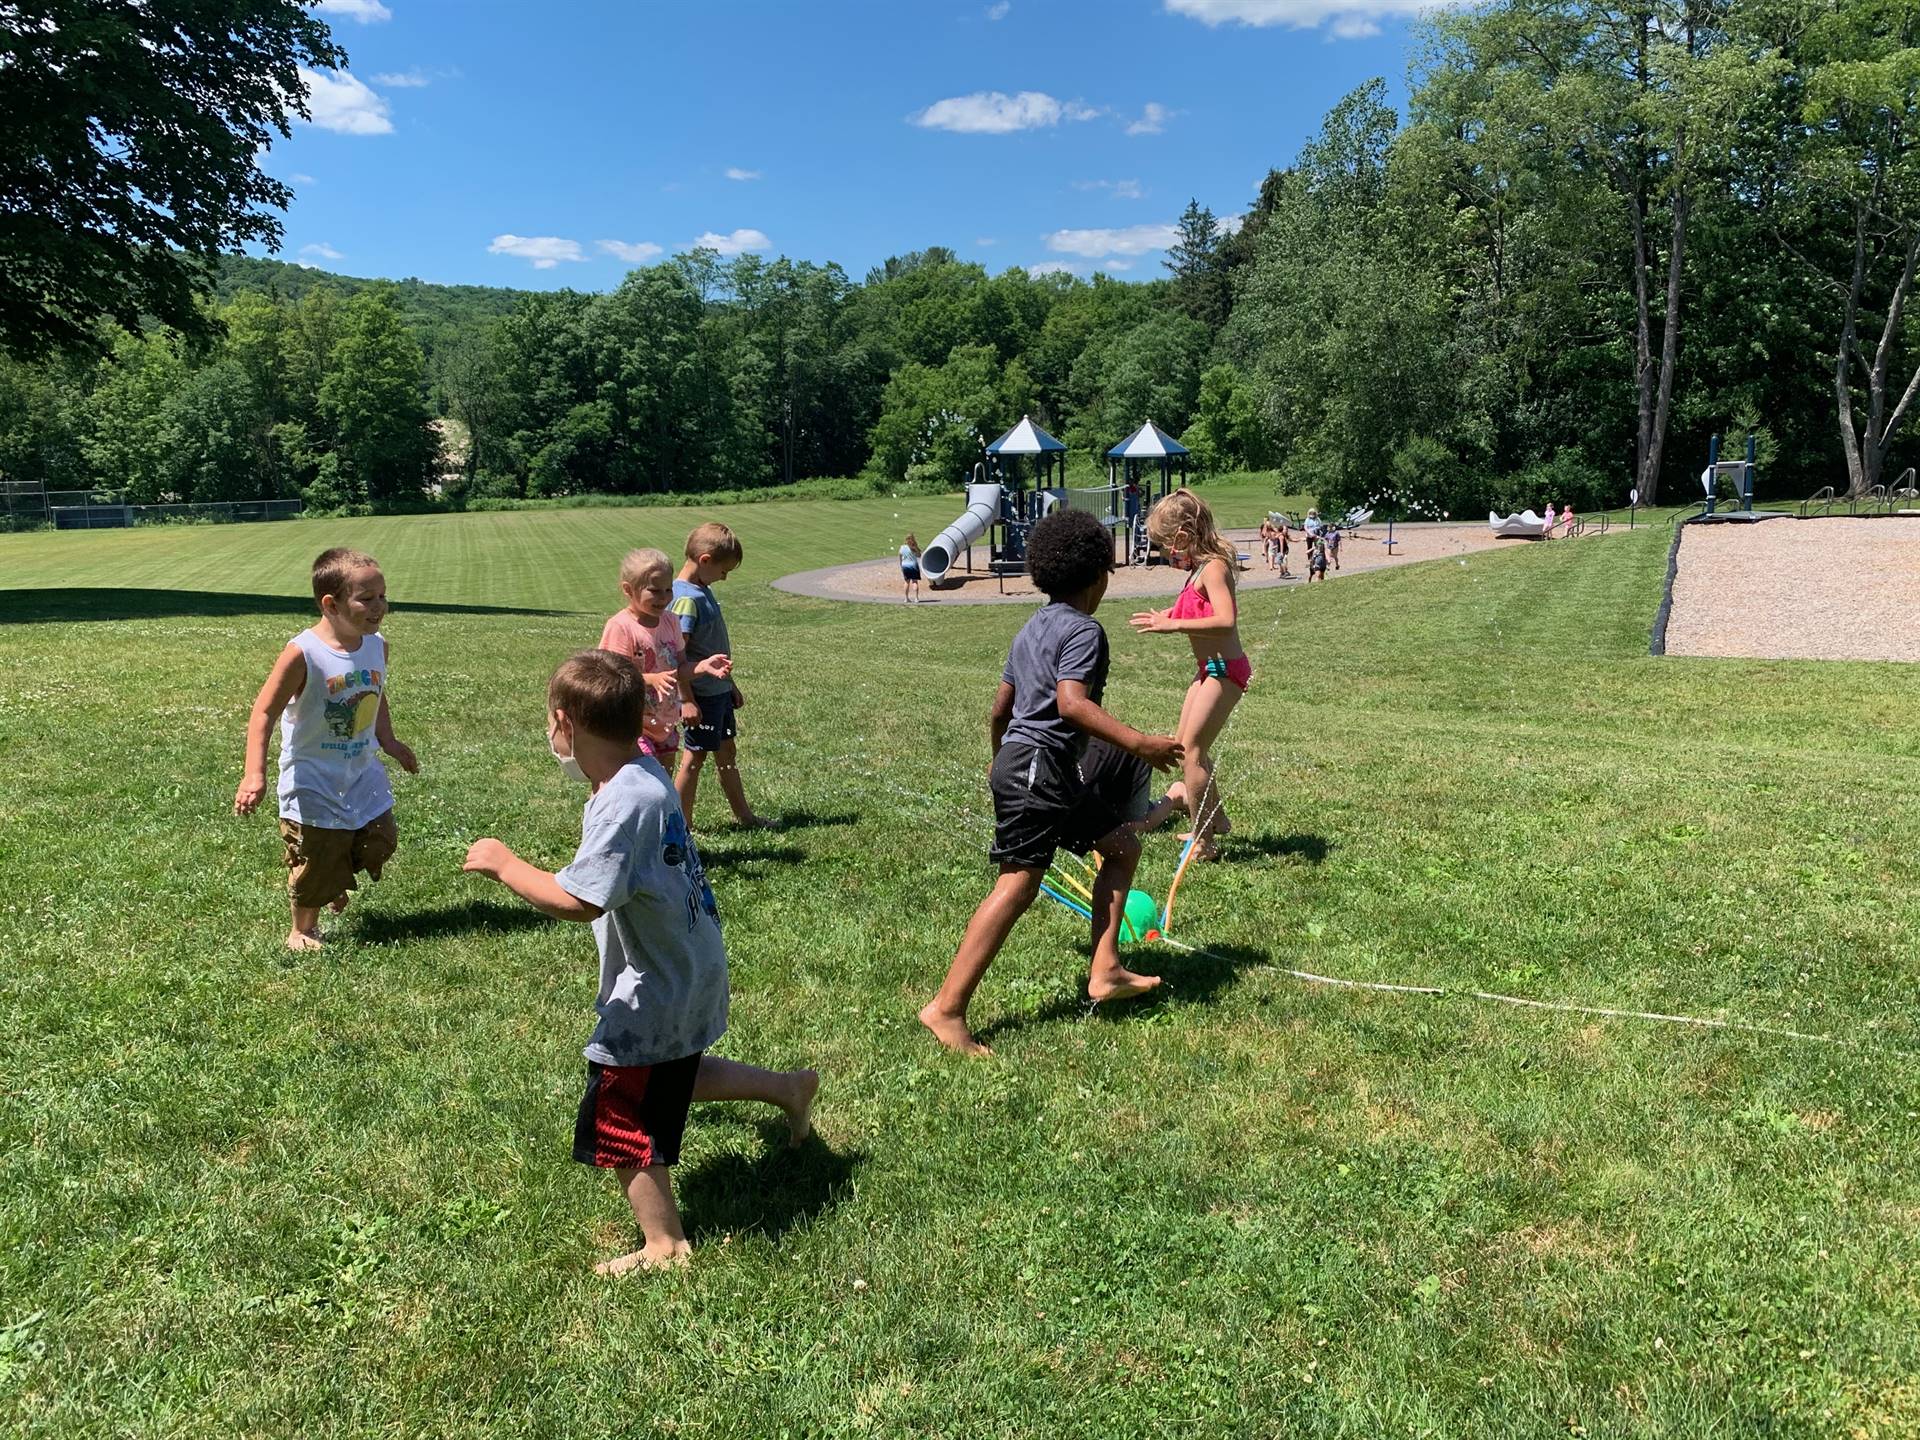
x,y
988,112
414,79
1230,224
323,250
1153,119
1131,240
301,178
734,172
1349,19
1122,189
737,243
342,103
364,11
1116,265
985,240
637,254
545,251
998,11
1052,267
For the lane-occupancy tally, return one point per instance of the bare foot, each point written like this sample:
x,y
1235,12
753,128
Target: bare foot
x,y
756,822
1118,984
951,1031
670,1257
1208,850
799,1106
304,940
339,903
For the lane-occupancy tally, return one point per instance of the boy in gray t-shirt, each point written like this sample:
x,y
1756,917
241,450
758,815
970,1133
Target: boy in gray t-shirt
x,y
663,968
1064,772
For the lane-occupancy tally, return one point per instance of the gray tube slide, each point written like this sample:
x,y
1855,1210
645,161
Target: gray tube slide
x,y
983,508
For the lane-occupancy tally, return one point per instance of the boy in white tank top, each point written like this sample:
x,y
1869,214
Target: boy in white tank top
x,y
328,689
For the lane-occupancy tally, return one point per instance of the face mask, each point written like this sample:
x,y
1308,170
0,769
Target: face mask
x,y
569,766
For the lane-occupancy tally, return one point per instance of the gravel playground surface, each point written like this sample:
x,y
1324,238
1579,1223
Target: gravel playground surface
x,y
878,581
1837,588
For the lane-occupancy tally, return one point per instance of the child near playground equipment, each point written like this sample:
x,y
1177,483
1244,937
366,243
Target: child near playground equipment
x,y
1206,612
1270,541
329,691
1316,558
1286,544
1064,772
910,568
644,634
708,701
637,879
1331,537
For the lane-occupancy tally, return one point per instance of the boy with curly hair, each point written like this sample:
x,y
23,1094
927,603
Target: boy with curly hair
x,y
1064,773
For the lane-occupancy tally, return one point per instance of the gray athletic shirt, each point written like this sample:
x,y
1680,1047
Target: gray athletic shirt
x,y
663,968
1058,643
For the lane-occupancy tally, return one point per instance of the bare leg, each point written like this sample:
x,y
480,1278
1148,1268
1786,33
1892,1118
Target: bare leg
x,y
946,1014
734,789
791,1090
305,934
1200,725
686,780
650,1193
1107,978
1157,813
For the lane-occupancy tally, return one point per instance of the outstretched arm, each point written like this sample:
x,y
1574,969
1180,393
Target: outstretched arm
x,y
1077,707
532,884
1226,611
284,683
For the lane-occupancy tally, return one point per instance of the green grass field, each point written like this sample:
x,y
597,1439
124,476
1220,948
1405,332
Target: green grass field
x,y
243,1192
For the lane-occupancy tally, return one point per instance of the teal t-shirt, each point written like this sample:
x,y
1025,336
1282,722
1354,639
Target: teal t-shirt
x,y
704,631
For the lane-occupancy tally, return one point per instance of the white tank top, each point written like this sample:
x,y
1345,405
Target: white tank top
x,y
330,770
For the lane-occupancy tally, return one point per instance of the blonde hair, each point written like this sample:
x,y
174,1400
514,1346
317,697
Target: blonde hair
x,y
643,562
715,540
913,542
1184,512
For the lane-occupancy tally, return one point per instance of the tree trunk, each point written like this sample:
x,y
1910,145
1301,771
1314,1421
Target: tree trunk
x,y
1669,338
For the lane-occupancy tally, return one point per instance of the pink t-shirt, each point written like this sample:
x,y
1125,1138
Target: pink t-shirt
x,y
655,648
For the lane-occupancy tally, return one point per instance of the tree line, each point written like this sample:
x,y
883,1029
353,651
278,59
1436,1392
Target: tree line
x,y
1601,231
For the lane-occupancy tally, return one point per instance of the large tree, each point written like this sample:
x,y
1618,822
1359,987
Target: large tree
x,y
130,132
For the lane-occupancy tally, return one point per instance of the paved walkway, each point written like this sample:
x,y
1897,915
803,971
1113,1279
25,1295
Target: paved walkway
x,y
878,581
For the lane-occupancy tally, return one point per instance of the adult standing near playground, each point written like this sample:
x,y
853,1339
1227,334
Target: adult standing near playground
x,y
910,568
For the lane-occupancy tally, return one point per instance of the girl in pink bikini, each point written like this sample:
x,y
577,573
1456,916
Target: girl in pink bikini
x,y
1206,613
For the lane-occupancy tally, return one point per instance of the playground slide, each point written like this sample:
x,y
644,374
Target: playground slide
x,y
1524,526
983,508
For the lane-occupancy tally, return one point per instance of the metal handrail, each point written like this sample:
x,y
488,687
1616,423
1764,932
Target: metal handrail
x,y
1825,497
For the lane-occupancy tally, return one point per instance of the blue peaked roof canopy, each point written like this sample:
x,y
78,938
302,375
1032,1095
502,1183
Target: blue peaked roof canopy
x,y
1149,442
1026,438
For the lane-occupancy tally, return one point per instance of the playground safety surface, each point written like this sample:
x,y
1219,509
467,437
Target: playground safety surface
x,y
1834,588
878,581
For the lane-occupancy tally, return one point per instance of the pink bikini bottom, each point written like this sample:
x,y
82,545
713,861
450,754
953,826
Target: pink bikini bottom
x,y
1240,671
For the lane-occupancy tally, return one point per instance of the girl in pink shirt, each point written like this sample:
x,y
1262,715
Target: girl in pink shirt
x,y
644,633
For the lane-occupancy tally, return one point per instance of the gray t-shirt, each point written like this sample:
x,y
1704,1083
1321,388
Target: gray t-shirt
x,y
703,629
663,968
1058,643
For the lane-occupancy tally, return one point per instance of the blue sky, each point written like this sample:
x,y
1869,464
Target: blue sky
x,y
488,142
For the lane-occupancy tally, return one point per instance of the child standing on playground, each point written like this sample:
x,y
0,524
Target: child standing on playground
x,y
1316,558
1207,613
637,879
328,690
910,568
1285,544
645,634
1331,536
1063,773
1269,541
708,699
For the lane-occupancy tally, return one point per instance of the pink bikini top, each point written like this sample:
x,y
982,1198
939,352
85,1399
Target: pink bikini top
x,y
1191,605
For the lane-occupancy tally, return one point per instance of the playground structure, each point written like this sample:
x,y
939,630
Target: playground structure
x,y
1524,526
1006,498
1127,462
1001,504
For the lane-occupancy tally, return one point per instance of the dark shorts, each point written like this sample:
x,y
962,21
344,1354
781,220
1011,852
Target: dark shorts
x,y
909,572
633,1116
716,722
1042,800
321,863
